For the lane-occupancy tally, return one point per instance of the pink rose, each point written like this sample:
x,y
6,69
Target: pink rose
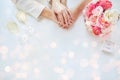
x,y
96,30
97,11
104,23
106,4
89,9
93,18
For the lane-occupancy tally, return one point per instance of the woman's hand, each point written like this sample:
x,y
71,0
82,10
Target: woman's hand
x,y
62,13
49,14
64,2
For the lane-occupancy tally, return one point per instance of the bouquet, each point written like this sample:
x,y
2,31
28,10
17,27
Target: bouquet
x,y
100,17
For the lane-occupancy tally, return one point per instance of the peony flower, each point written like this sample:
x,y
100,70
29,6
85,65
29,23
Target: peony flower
x,y
99,17
111,16
106,4
96,30
97,11
93,19
103,22
89,9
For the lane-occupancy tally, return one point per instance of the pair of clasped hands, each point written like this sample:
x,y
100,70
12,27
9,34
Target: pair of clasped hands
x,y
59,13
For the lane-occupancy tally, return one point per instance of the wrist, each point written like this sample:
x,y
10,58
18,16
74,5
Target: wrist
x,y
55,1
45,12
83,4
64,2
86,2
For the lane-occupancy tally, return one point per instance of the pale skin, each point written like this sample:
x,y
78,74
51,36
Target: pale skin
x,y
62,15
79,8
76,12
59,13
49,14
64,2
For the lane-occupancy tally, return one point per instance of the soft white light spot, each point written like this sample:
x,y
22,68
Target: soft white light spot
x,y
45,46
85,44
96,56
71,55
118,69
83,63
35,61
46,57
64,54
70,73
119,51
53,45
21,16
76,42
12,27
94,44
59,70
16,66
3,49
36,71
4,57
22,55
21,75
30,29
7,68
65,77
63,61
95,76
25,67
25,38
94,64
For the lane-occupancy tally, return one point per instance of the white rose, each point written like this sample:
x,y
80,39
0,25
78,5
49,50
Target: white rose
x,y
111,16
88,25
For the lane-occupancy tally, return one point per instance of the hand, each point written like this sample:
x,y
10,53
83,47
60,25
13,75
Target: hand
x,y
49,14
63,15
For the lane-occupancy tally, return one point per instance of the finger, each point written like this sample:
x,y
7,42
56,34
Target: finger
x,y
65,17
60,18
69,21
62,21
63,26
56,16
70,14
67,25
